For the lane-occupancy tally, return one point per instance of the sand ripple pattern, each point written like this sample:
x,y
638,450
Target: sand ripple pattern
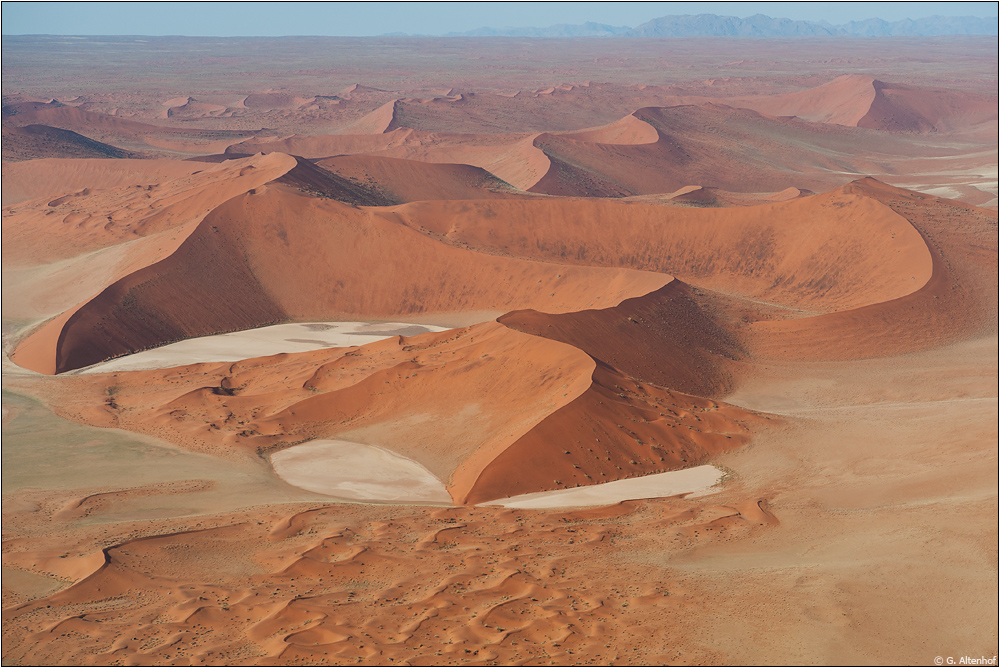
x,y
391,586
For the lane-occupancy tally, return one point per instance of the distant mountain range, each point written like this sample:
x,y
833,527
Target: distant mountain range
x,y
759,25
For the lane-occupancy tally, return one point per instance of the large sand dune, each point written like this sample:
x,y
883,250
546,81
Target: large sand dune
x,y
400,180
33,142
710,144
110,227
512,158
230,279
346,359
865,102
802,254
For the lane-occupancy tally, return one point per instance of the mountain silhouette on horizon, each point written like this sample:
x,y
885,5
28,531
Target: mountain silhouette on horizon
x,y
756,26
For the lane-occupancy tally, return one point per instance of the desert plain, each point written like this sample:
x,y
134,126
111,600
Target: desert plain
x,y
499,351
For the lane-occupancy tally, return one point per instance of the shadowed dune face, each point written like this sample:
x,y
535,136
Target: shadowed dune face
x,y
467,404
667,338
794,254
804,254
120,217
41,141
958,300
909,109
402,181
710,144
619,428
445,400
126,133
231,278
643,289
512,158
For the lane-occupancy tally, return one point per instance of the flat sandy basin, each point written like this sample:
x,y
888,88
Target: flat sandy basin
x,y
358,472
287,338
695,480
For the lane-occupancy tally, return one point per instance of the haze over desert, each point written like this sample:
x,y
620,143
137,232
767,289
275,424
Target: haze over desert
x,y
624,350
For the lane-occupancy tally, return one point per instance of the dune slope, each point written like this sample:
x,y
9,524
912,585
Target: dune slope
x,y
805,254
956,301
225,276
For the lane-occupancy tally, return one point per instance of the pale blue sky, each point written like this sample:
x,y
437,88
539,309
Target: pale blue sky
x,y
376,18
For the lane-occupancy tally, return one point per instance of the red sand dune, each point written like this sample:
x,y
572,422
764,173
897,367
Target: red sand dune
x,y
654,150
400,181
98,217
709,145
512,158
53,178
95,236
843,101
189,107
274,100
278,576
864,102
241,285
317,181
33,142
68,117
628,130
646,359
322,146
627,422
702,196
231,279
854,100
489,400
802,254
492,112
379,121
123,132
618,428
457,382
661,149
667,338
956,301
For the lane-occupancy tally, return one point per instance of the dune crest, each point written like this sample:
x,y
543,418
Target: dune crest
x,y
859,100
399,180
630,130
708,247
54,177
377,122
950,304
232,280
512,158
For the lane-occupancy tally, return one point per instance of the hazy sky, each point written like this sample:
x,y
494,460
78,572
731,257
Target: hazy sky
x,y
377,18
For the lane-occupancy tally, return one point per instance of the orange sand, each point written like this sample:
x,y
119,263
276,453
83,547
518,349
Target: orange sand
x,y
754,305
